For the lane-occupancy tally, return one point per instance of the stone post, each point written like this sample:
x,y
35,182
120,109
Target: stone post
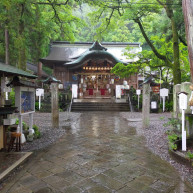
x,y
185,87
176,90
146,105
54,105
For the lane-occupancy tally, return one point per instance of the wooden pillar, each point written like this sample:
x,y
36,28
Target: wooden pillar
x,y
187,6
146,105
39,70
2,94
54,105
1,117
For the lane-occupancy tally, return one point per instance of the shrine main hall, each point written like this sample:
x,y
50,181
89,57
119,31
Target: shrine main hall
x,y
88,65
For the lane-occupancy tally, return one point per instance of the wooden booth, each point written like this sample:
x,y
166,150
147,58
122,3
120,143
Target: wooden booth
x,y
8,113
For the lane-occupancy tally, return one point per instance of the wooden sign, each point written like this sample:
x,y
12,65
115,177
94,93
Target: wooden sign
x,y
138,92
164,92
39,92
183,105
183,100
153,105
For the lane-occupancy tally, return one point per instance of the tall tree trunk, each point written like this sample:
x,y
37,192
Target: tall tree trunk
x,y
176,64
6,46
188,19
22,50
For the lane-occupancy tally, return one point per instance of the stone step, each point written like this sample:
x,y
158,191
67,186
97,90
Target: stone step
x,y
94,106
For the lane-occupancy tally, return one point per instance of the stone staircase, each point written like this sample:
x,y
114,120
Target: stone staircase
x,y
99,106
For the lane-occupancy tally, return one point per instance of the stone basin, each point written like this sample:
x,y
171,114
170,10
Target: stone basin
x,y
7,110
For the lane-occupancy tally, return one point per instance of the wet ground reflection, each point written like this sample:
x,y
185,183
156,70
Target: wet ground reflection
x,y
99,153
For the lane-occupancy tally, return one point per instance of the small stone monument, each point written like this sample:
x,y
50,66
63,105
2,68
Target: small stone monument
x,y
53,82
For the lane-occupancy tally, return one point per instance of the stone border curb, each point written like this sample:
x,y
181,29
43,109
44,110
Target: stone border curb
x,y
13,166
178,156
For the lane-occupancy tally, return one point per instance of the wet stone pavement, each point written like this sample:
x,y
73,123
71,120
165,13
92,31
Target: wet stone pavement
x,y
97,154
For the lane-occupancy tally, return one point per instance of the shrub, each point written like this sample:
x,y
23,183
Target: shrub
x,y
37,106
189,155
37,133
168,106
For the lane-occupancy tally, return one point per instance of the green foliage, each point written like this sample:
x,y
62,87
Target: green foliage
x,y
168,106
12,97
174,133
24,124
172,139
124,70
37,106
172,146
37,133
190,155
35,128
173,122
32,26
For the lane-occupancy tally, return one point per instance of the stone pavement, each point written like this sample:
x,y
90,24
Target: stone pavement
x,y
100,155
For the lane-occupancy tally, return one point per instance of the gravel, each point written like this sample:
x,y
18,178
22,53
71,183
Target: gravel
x,y
48,134
156,139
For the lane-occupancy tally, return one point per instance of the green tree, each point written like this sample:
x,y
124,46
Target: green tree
x,y
32,24
139,11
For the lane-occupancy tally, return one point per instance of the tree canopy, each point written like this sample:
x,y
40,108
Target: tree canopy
x,y
28,26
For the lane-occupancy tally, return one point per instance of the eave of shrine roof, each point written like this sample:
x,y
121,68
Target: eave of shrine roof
x,y
64,52
9,70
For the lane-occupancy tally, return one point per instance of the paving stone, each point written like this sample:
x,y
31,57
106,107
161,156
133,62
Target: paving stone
x,y
56,169
108,182
70,176
86,184
28,180
44,190
127,189
72,189
100,154
37,186
42,174
99,189
56,182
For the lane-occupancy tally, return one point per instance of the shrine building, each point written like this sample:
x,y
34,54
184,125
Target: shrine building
x,y
89,66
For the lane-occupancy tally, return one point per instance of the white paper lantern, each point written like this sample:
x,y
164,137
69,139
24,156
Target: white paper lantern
x,y
124,82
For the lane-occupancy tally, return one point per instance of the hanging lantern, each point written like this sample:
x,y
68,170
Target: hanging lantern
x,y
84,68
99,68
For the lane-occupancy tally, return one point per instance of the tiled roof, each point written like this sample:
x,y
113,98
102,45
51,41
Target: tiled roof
x,y
65,52
8,70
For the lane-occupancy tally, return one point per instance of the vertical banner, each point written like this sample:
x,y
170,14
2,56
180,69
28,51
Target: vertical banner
x,y
74,91
118,91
